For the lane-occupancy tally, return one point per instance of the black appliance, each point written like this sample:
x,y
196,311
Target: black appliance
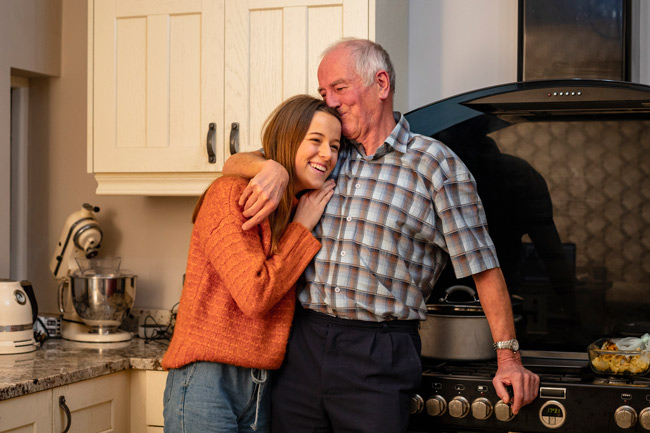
x,y
563,170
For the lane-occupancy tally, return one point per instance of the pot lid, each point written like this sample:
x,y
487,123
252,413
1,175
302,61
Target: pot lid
x,y
458,300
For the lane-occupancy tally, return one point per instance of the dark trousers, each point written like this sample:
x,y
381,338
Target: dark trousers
x,y
346,376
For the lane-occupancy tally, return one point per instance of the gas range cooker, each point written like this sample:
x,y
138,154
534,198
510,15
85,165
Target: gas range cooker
x,y
458,397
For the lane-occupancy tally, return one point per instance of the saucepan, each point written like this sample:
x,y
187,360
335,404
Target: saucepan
x,y
457,330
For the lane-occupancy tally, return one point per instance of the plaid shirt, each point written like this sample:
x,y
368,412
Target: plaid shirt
x,y
387,230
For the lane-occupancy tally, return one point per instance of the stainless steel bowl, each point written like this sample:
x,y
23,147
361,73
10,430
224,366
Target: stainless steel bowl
x,y
101,301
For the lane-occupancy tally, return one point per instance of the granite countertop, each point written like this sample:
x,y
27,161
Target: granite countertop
x,y
60,362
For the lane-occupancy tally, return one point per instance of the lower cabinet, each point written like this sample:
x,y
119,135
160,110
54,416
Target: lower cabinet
x,y
89,406
29,413
147,389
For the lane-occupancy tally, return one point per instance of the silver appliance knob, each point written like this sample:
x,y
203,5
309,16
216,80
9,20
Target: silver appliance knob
x,y
482,408
458,407
644,418
625,417
503,412
436,405
416,404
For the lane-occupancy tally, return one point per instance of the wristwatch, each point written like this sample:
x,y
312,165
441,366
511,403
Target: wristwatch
x,y
509,344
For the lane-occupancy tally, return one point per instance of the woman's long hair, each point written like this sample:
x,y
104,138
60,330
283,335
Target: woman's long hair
x,y
284,130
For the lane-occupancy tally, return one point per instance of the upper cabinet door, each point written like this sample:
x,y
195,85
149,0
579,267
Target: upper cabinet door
x,y
158,83
273,48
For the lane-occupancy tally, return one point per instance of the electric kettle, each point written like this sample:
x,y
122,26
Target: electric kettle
x,y
18,310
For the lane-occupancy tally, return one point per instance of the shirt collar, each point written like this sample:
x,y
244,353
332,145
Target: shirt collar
x,y
396,141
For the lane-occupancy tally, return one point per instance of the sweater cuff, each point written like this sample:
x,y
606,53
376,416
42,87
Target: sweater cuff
x,y
298,245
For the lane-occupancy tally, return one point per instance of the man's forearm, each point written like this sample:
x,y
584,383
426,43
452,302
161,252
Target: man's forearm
x,y
495,300
268,181
246,164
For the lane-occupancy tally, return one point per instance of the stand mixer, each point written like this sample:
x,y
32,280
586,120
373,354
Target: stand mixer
x,y
93,300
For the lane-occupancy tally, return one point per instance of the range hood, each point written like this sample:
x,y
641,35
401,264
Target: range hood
x,y
575,97
505,104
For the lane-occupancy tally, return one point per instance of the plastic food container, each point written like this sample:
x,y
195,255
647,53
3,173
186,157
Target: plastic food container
x,y
606,358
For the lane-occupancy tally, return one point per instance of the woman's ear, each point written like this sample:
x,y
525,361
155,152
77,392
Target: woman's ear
x,y
383,82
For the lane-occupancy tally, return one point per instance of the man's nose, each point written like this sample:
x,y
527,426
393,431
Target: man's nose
x,y
332,101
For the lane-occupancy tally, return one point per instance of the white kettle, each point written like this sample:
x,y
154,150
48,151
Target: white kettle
x,y
18,310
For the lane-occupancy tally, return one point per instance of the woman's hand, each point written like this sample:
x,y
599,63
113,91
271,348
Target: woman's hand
x,y
312,204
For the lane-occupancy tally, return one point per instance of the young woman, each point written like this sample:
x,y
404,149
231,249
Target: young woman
x,y
238,299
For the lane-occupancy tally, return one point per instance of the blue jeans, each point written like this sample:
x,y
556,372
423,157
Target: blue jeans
x,y
209,397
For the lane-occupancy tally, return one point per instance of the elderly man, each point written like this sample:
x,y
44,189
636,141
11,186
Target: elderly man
x,y
403,203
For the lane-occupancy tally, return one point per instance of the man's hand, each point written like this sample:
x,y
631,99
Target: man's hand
x,y
524,383
262,195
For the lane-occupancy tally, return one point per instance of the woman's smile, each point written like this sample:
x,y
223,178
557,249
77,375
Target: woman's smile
x,y
318,152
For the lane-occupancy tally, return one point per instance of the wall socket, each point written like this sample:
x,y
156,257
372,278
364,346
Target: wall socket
x,y
151,317
137,318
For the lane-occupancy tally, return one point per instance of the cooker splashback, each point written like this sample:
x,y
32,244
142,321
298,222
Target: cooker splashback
x,y
565,183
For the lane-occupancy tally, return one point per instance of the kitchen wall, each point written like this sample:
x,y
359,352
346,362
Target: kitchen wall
x,y
30,41
455,46
460,45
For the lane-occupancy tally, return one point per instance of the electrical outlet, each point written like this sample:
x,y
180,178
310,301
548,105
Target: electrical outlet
x,y
151,317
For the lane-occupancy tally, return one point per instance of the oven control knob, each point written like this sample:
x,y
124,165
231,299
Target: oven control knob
x,y
458,407
481,408
436,405
416,404
552,414
625,417
503,412
644,418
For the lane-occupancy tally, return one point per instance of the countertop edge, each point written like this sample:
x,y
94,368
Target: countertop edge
x,y
55,365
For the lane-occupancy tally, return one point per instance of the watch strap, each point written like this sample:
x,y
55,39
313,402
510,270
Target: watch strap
x,y
508,344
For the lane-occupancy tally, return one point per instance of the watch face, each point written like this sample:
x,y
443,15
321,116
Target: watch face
x,y
515,345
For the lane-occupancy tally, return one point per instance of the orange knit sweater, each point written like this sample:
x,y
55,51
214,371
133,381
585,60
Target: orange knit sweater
x,y
237,304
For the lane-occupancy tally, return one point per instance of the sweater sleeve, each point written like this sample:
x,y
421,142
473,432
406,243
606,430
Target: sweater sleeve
x,y
255,280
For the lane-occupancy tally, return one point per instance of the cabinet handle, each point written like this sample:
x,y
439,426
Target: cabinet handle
x,y
212,143
67,413
234,138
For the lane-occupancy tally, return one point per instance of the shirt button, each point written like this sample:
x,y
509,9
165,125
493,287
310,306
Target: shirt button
x,y
337,289
348,218
343,253
357,186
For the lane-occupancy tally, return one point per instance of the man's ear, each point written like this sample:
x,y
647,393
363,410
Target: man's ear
x,y
383,82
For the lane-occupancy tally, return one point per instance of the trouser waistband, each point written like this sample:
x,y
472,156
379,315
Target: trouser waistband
x,y
405,325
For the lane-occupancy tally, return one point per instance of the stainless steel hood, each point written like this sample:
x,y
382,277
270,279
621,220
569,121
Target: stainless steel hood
x,y
535,100
567,98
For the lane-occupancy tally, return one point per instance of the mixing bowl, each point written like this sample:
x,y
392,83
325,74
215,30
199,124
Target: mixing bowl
x,y
101,301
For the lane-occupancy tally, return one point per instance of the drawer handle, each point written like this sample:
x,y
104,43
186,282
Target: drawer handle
x,y
234,138
212,143
67,413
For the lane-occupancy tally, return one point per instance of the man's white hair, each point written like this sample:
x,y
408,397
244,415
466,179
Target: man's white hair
x,y
369,58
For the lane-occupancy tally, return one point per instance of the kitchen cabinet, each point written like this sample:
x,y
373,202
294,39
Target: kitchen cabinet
x,y
32,412
155,84
95,405
273,49
161,72
147,389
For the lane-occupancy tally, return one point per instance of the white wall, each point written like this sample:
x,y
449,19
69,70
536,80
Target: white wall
x,y
29,41
460,45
